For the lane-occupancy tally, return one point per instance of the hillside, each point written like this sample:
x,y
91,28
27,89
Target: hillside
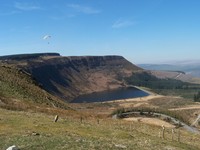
x,y
37,131
19,91
33,87
69,77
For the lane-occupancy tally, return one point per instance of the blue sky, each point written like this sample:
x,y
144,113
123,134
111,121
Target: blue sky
x,y
143,31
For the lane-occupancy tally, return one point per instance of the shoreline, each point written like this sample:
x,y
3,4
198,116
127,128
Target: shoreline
x,y
137,99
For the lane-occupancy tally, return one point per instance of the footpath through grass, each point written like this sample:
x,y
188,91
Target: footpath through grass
x,y
37,131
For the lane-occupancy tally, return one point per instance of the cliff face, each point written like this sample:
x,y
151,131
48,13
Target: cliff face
x,y
69,77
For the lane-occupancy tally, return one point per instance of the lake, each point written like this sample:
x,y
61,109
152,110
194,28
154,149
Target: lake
x,y
117,94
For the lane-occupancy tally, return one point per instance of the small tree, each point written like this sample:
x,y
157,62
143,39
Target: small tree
x,y
197,97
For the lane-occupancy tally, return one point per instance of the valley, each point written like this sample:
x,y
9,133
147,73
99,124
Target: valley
x,y
99,75
36,87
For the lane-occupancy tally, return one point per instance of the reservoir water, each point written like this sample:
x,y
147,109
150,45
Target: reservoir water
x,y
117,94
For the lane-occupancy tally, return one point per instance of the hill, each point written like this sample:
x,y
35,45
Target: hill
x,y
19,91
69,77
35,85
190,68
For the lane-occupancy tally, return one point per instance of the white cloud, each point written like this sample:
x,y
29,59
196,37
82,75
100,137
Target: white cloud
x,y
62,17
122,23
8,13
84,9
26,6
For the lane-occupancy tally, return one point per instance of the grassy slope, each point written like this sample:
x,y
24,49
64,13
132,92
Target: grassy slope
x,y
19,92
68,133
16,88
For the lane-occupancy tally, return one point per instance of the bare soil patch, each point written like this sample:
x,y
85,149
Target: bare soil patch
x,y
136,102
152,121
189,107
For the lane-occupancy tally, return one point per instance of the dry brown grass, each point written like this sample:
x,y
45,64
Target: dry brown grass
x,y
69,133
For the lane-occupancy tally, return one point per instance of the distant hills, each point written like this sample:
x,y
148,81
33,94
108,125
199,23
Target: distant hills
x,y
189,67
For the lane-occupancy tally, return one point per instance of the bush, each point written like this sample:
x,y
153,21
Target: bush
x,y
197,97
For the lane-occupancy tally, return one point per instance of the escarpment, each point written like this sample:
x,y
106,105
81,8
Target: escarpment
x,y
69,77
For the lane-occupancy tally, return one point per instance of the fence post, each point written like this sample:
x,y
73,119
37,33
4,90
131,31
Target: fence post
x,y
163,131
172,134
56,118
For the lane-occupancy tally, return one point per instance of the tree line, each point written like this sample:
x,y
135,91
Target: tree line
x,y
147,80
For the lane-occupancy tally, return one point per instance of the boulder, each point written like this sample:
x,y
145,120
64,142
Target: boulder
x,y
12,148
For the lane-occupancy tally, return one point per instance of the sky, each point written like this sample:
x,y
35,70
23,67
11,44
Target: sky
x,y
143,31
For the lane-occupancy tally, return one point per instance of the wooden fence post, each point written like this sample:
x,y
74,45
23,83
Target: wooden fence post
x,y
163,131
56,118
172,134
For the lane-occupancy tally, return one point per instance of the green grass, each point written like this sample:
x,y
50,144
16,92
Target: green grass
x,y
15,84
18,91
167,87
68,133
185,93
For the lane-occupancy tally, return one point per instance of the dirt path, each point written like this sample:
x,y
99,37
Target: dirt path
x,y
152,121
173,120
137,102
187,107
196,121
178,75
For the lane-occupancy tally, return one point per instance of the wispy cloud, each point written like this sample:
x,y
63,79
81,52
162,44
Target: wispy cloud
x,y
84,9
123,23
62,17
9,13
26,6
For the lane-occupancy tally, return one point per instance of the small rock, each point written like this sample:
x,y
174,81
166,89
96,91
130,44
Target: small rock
x,y
35,134
12,148
120,146
114,117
